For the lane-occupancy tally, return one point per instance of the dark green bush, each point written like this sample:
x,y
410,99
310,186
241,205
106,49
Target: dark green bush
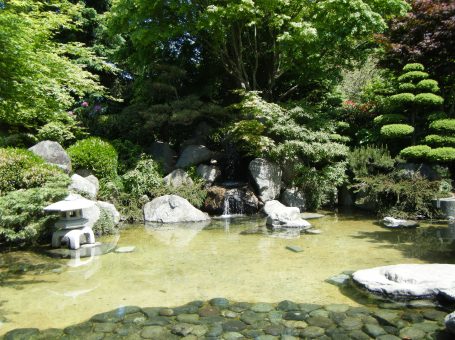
x,y
57,132
442,155
390,118
367,160
144,178
96,155
428,99
436,140
428,85
22,219
402,99
436,116
21,169
416,152
18,140
413,67
396,130
195,193
412,76
128,154
407,87
443,126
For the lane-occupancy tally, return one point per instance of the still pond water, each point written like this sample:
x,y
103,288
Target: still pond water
x,y
233,258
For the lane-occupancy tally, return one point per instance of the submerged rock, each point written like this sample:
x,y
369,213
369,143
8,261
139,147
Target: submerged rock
x,y
391,222
267,177
407,281
53,153
172,209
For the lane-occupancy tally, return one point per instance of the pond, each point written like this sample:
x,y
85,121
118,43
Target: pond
x,y
233,258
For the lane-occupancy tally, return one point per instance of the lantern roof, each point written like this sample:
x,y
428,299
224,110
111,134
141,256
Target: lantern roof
x,y
71,202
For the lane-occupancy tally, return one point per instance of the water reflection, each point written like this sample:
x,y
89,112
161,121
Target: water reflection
x,y
176,234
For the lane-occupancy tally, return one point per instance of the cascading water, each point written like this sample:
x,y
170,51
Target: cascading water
x,y
233,204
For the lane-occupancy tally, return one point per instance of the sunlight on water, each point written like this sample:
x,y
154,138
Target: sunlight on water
x,y
237,259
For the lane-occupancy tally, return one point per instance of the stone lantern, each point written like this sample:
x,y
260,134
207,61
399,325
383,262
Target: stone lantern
x,y
71,227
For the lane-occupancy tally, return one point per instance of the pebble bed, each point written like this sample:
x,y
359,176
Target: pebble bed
x,y
220,318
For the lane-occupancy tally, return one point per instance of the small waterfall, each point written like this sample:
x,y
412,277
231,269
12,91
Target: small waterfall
x,y
233,204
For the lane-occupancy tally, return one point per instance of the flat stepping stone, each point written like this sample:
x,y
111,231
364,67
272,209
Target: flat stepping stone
x,y
309,216
127,249
295,249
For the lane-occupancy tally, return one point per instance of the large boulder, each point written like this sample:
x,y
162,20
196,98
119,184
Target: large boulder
x,y
450,322
209,173
293,197
177,178
164,154
53,152
83,186
193,155
391,222
172,209
407,281
267,177
281,216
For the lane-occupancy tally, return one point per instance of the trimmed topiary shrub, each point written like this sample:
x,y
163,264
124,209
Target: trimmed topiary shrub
x,y
407,87
443,125
402,99
22,169
96,155
413,67
412,76
396,130
57,132
442,155
428,85
416,152
436,140
428,99
436,116
387,119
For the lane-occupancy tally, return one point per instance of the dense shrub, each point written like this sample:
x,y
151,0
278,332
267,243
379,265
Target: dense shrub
x,y
57,132
96,155
145,177
18,140
390,118
407,87
402,197
412,76
436,116
22,219
436,140
413,67
367,160
105,224
428,99
402,99
194,193
396,130
443,155
428,85
443,126
21,169
416,152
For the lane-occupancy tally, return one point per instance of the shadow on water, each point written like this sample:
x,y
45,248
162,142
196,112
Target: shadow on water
x,y
433,243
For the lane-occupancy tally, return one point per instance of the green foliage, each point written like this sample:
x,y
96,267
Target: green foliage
x,y
391,118
128,154
105,224
428,85
436,140
57,132
407,87
40,77
144,178
248,134
367,160
442,155
413,67
443,126
436,116
21,169
194,193
400,196
412,76
402,99
96,155
415,152
428,99
18,140
396,131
